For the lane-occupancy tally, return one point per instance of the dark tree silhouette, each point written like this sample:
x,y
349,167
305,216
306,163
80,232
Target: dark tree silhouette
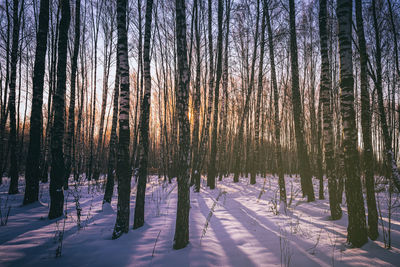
x,y
113,140
212,172
32,172
366,128
69,157
13,189
181,238
144,122
57,174
302,154
278,149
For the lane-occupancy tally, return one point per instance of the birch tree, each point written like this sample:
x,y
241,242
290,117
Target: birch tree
x,y
278,149
32,172
212,172
16,18
144,122
356,229
57,174
71,111
113,140
325,95
123,162
181,238
302,154
195,176
366,128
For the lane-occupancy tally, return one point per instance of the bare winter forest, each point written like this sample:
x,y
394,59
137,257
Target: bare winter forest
x,y
199,132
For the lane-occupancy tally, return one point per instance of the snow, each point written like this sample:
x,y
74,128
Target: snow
x,y
237,224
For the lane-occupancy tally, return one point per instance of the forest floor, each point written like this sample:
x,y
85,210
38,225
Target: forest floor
x,y
236,224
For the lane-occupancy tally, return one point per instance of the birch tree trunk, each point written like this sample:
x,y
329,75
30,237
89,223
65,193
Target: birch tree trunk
x,y
4,109
212,172
204,145
195,176
95,24
123,163
57,174
257,153
32,172
144,122
302,154
325,92
113,140
223,158
357,230
366,128
277,124
181,238
13,189
71,113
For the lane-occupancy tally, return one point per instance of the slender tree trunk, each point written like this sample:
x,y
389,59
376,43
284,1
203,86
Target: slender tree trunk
x,y
212,172
277,124
320,172
71,113
96,25
32,172
123,165
13,189
4,108
396,52
366,128
139,87
205,138
144,122
223,159
57,174
181,238
113,140
195,177
52,88
357,229
79,144
302,154
257,153
325,92
393,28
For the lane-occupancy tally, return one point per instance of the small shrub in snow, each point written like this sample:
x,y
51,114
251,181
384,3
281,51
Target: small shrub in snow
x,y
294,193
59,234
273,203
77,195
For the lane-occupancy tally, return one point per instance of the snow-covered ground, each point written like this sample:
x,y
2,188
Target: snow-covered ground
x,y
233,225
